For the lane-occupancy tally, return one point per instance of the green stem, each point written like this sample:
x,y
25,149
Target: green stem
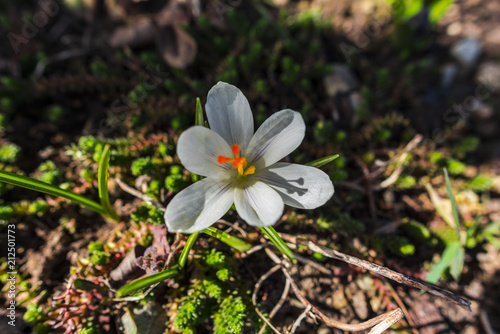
x,y
32,184
185,252
322,161
278,242
227,239
147,281
102,181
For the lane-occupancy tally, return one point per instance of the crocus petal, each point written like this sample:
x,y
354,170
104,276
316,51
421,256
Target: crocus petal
x,y
229,114
300,186
258,204
198,149
276,138
198,206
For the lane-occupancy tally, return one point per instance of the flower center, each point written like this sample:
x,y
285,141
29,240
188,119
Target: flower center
x,y
239,163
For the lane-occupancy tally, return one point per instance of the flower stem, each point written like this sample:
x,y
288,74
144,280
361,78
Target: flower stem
x,y
102,182
32,184
147,281
227,239
185,252
278,242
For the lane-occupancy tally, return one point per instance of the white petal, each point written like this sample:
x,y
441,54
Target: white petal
x,y
300,186
229,114
276,138
198,206
258,204
198,149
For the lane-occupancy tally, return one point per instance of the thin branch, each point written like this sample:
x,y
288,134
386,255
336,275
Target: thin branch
x,y
134,192
329,321
383,271
278,306
390,319
313,264
395,175
483,316
256,290
297,322
402,306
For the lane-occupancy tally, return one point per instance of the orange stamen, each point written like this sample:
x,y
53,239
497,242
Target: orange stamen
x,y
237,162
236,150
222,159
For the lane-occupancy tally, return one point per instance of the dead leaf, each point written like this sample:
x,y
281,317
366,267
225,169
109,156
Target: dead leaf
x,y
128,268
176,46
140,33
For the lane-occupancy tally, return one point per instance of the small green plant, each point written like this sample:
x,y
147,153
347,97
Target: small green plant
x,y
104,208
9,152
453,256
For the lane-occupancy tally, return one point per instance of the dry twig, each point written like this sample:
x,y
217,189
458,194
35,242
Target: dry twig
x,y
134,192
383,271
297,322
384,321
256,290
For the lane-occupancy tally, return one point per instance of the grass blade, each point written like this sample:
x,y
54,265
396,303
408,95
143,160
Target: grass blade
x,y
278,242
185,252
227,239
322,161
454,207
147,281
198,119
450,252
102,181
32,184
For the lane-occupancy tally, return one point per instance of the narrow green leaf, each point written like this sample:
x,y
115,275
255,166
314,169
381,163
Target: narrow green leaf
x,y
185,252
454,206
441,206
199,120
492,239
102,181
82,284
32,184
147,281
438,10
322,161
227,239
457,264
449,253
278,242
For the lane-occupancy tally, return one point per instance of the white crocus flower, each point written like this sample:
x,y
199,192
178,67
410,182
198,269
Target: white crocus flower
x,y
242,167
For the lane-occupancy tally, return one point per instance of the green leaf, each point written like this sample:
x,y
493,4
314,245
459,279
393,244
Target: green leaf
x,y
82,284
441,206
412,8
278,242
454,207
450,252
492,239
102,181
147,281
438,10
227,239
199,120
322,161
187,248
457,264
32,184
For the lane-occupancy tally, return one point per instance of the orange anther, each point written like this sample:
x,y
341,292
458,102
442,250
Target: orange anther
x,y
222,159
239,163
236,150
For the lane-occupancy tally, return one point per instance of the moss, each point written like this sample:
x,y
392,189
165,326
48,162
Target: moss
x,y
9,152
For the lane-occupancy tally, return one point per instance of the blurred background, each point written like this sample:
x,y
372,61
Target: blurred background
x,y
399,88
